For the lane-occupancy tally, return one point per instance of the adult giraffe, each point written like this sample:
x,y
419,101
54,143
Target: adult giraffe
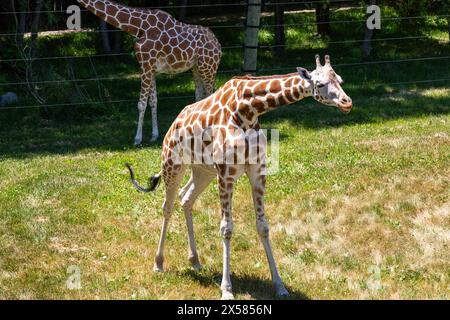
x,y
232,111
164,45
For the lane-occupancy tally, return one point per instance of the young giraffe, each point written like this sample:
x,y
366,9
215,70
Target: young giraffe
x,y
235,107
164,45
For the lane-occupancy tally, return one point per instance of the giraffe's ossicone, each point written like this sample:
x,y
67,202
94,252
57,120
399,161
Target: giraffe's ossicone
x,y
224,121
164,45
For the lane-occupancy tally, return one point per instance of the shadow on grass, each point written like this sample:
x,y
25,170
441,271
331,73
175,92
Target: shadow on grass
x,y
242,284
25,134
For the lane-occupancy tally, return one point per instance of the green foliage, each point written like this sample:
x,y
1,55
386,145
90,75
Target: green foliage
x,y
407,8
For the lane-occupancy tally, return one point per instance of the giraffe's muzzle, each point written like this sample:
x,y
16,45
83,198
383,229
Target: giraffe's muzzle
x,y
345,105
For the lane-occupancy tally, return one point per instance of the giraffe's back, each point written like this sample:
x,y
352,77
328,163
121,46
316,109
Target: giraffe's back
x,y
178,46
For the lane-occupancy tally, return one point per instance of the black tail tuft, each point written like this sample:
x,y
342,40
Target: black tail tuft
x,y
153,182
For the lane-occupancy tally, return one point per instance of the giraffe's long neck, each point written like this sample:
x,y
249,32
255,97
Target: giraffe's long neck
x,y
259,96
116,14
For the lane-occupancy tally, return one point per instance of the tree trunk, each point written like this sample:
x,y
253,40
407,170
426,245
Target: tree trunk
x,y
367,43
35,27
183,10
20,20
280,38
21,28
28,55
368,36
251,36
104,36
118,42
323,18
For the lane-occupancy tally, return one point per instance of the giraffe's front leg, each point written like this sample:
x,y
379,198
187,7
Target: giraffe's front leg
x,y
142,106
226,231
147,89
227,176
257,176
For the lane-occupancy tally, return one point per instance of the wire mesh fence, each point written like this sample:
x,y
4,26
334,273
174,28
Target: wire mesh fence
x,y
226,48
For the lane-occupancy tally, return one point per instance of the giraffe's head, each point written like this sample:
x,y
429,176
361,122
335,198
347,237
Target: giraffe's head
x,y
326,85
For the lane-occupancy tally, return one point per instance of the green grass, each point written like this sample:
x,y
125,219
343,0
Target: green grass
x,y
358,197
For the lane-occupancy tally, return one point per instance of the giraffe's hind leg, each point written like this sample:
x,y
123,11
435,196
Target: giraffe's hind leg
x,y
199,180
200,92
227,175
153,102
172,178
185,189
207,72
208,84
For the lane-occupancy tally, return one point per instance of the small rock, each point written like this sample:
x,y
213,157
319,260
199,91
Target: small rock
x,y
8,99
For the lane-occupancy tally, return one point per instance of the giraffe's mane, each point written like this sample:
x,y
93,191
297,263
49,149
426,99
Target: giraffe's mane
x,y
250,77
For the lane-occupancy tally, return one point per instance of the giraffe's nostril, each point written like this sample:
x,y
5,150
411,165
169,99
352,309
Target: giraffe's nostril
x,y
346,101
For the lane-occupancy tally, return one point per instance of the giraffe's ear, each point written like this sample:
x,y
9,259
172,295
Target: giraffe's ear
x,y
304,73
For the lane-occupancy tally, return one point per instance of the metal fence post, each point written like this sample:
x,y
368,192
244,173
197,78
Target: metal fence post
x,y
251,36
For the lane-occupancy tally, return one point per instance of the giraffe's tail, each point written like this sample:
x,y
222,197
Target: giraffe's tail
x,y
153,182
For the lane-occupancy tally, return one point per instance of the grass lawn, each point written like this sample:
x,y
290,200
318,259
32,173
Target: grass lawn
x,y
359,209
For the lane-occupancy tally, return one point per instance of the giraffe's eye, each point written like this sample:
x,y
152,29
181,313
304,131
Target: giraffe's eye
x,y
320,85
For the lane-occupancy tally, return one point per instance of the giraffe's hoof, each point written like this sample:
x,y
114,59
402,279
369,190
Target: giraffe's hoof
x,y
137,143
227,295
158,269
195,263
281,291
197,267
